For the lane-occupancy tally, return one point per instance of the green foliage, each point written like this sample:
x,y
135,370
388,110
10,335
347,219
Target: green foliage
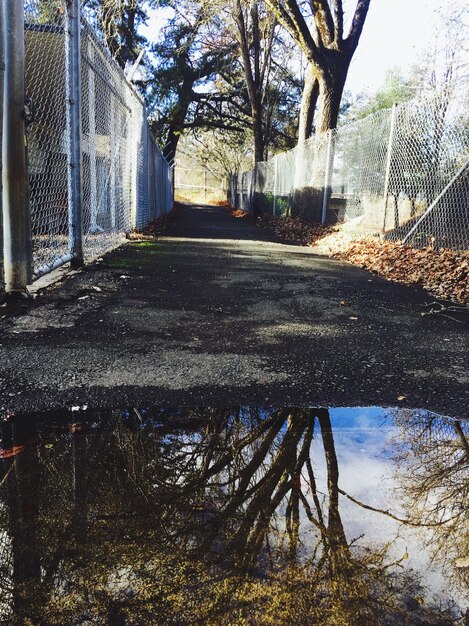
x,y
119,22
187,88
45,12
395,89
220,152
282,206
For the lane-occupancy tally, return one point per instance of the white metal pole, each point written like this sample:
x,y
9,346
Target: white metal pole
x,y
113,161
274,208
73,90
388,162
2,77
131,75
92,141
327,177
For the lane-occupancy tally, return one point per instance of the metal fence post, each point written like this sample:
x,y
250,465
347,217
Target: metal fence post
x,y
113,153
2,77
252,198
128,148
388,162
15,206
73,90
274,207
327,177
92,142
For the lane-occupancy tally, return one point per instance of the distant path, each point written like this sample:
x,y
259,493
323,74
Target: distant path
x,y
213,222
217,313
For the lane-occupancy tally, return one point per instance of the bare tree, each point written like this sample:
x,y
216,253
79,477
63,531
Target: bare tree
x,y
327,51
432,467
255,36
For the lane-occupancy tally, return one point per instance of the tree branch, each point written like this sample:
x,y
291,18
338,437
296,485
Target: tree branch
x,y
406,522
301,35
357,24
302,28
323,20
199,123
339,22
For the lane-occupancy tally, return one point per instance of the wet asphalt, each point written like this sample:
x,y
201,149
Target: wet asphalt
x,y
218,313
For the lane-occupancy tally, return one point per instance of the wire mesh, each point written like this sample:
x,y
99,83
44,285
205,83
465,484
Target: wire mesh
x,y
46,136
198,185
401,173
126,180
428,182
359,171
106,136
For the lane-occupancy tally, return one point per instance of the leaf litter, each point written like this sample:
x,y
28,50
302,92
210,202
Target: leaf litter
x,y
443,273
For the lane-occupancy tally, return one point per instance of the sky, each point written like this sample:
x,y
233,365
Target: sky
x,y
395,33
364,440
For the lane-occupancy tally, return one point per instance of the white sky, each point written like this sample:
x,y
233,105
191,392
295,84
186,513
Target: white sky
x,y
395,32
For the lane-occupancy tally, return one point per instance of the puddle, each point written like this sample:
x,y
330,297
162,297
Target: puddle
x,y
243,515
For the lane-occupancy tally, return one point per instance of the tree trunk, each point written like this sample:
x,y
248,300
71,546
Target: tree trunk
x,y
177,119
252,71
331,87
338,551
258,134
172,140
309,99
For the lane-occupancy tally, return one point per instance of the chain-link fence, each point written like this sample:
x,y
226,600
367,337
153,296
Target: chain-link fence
x,y
125,180
400,172
199,185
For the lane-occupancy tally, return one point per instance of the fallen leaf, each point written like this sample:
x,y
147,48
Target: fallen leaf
x,y
401,398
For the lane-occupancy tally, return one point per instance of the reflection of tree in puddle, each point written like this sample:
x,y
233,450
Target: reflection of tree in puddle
x,y
432,461
190,517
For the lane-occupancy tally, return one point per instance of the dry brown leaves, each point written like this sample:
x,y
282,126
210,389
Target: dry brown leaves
x,y
443,273
293,230
154,228
239,213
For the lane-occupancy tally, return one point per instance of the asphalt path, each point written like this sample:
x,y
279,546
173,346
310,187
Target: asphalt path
x,y
219,313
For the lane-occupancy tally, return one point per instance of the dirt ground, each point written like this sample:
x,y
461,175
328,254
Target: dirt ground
x,y
218,313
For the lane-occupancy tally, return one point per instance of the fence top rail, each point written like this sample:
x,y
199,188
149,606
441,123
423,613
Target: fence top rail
x,y
90,31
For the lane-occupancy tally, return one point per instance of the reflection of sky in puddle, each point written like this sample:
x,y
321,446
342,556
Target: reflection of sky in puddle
x,y
174,445
365,447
